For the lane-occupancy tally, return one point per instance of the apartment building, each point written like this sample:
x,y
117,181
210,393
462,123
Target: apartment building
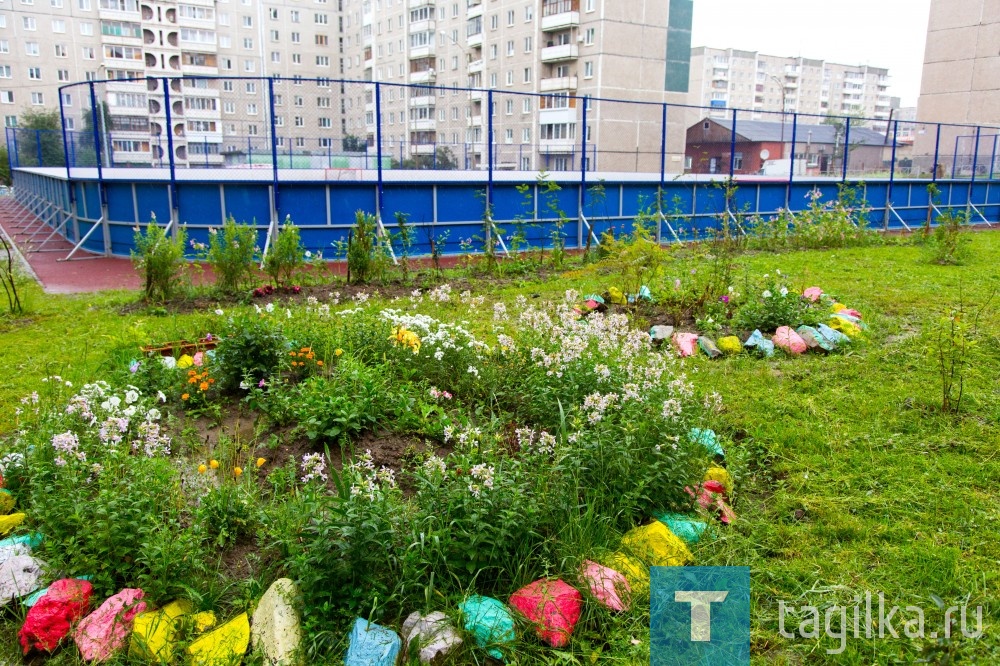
x,y
538,57
726,79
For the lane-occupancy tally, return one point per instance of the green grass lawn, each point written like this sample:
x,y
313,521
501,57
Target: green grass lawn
x,y
849,477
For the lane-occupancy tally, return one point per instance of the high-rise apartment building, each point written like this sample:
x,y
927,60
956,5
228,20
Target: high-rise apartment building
x,y
538,57
726,79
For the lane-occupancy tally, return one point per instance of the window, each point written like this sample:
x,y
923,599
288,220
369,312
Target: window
x,y
508,135
38,99
526,135
125,29
527,75
296,38
191,12
510,18
322,61
67,99
62,75
225,41
248,43
60,50
87,29
510,47
493,51
320,19
325,123
227,86
493,80
35,73
323,102
223,18
494,22
296,58
84,5
589,35
298,101
229,107
299,121
558,131
6,97
529,43
300,141
275,56
249,66
251,87
130,146
251,109
3,20
4,46
294,15
31,48
273,12
247,21
126,52
187,34
510,106
321,40
588,69
589,6
5,72
10,121
58,26
57,4
510,78
89,54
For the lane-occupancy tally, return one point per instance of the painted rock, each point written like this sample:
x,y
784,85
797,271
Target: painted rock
x,y
720,474
660,334
657,546
154,633
8,523
50,620
813,338
202,622
645,294
103,632
730,345
685,343
786,338
19,576
635,572
371,645
760,343
688,530
607,586
707,438
430,636
594,297
813,293
835,338
711,496
224,646
6,502
33,598
552,606
837,324
490,623
843,314
707,346
275,629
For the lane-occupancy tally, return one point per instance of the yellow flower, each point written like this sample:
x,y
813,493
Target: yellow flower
x,y
213,463
185,361
338,351
202,468
260,462
237,471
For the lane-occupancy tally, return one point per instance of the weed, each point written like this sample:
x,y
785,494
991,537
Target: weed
x,y
159,260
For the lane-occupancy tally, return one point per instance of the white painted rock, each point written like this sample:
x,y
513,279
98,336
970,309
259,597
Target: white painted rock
x,y
275,630
434,635
20,575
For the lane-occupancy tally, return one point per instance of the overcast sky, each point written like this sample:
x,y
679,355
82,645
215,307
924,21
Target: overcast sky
x,y
881,33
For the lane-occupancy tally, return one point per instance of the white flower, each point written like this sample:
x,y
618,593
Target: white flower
x,y
473,371
169,362
269,307
244,385
784,291
219,312
131,396
766,294
161,396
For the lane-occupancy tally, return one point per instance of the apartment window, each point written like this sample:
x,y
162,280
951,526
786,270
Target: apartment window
x,y
60,50
67,99
223,18
589,35
225,41
62,75
249,66
529,44
227,86
588,69
589,6
275,56
296,58
10,121
251,87
84,5
35,73
320,19
323,102
279,121
300,141
57,4
3,20
510,78
58,26
493,51
251,109
529,13
325,123
31,48
87,29
298,101
493,80
273,13
247,21
454,62
248,43
526,135
296,38
321,40
6,97
322,61
38,99
229,107
527,75
4,46
299,121
89,54
5,72
510,106
508,135
252,130
185,11
227,64
294,15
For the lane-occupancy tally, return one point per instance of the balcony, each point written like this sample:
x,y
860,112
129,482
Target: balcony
x,y
422,100
558,146
414,4
425,51
477,94
423,125
792,72
557,116
422,148
561,21
426,25
475,66
474,10
554,84
475,41
475,121
426,76
791,85
560,52
718,75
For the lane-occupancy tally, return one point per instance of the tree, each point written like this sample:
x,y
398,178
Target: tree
x,y
44,145
354,144
4,166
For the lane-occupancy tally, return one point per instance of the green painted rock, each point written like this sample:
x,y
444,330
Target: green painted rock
x,y
688,530
707,346
490,622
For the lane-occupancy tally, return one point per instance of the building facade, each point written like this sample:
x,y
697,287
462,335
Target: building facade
x,y
538,57
725,79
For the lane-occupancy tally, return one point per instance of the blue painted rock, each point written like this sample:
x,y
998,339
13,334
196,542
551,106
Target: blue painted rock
x,y
371,645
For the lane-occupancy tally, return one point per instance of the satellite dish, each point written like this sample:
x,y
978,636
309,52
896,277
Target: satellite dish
x,y
764,154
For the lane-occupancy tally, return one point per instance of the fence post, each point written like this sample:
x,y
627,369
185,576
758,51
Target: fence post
x,y
489,162
174,203
892,175
732,148
62,127
12,155
38,147
993,155
582,200
791,163
663,172
274,148
954,158
102,195
975,160
847,150
937,149
378,147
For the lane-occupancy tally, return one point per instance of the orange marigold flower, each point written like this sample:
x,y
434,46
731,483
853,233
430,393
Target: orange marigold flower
x,y
292,354
202,468
203,386
213,463
185,396
191,373
260,462
192,380
211,381
319,363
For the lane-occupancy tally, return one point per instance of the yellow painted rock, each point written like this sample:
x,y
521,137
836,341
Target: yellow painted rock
x,y
202,622
730,345
6,502
837,307
845,327
8,523
635,572
720,474
223,647
154,633
656,545
616,296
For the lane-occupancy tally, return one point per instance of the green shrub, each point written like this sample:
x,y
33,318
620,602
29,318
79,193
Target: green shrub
x,y
159,259
360,248
351,399
949,244
771,304
285,256
252,349
232,252
228,513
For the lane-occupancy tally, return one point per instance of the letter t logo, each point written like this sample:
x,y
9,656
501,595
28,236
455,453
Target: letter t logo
x,y
701,611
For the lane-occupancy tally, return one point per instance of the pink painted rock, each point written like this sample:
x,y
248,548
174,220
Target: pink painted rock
x,y
786,338
685,343
607,585
103,632
711,496
553,606
850,312
50,620
813,293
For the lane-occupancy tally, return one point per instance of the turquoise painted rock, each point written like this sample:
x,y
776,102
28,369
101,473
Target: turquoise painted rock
x,y
708,347
814,339
760,343
690,531
371,645
836,338
708,439
490,622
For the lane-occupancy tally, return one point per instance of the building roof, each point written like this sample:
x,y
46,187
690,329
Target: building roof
x,y
763,130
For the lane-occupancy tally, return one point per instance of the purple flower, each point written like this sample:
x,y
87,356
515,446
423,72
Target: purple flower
x,y
724,298
133,367
261,384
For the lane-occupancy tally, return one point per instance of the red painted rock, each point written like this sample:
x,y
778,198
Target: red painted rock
x,y
553,606
786,338
712,497
50,620
607,585
103,632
